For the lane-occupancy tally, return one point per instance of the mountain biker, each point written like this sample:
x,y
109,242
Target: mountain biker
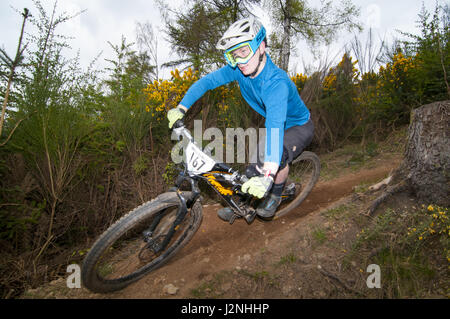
x,y
271,93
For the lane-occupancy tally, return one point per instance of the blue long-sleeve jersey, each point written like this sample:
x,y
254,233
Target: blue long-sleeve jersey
x,y
272,94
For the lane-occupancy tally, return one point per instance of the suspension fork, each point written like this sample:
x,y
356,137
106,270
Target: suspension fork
x,y
149,231
181,213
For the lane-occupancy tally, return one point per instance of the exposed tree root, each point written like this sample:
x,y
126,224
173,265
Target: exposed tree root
x,y
336,279
390,190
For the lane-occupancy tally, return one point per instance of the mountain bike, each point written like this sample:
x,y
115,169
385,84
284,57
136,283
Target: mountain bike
x,y
148,236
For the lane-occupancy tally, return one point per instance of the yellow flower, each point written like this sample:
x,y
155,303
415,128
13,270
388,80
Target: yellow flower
x,y
430,208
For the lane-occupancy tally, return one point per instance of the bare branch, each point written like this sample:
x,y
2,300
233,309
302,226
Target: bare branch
x,y
15,127
321,25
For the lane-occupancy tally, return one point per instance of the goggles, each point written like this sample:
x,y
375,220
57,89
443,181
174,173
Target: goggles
x,y
243,52
239,54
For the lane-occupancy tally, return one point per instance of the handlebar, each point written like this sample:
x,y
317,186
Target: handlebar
x,y
179,129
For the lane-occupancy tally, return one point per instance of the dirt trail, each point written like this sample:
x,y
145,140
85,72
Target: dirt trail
x,y
219,246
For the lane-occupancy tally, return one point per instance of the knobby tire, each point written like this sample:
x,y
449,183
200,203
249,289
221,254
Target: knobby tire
x,y
91,274
313,163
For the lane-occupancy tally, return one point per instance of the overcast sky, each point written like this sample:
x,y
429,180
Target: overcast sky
x,y
108,20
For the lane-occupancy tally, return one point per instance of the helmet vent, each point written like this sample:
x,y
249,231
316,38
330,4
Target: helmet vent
x,y
243,30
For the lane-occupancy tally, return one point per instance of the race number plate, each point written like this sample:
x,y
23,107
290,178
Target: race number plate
x,y
197,161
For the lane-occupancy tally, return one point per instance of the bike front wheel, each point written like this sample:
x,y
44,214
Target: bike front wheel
x,y
304,173
139,243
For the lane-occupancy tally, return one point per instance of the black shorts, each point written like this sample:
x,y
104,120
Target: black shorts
x,y
296,139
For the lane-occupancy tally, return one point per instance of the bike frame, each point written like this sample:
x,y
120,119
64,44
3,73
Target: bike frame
x,y
199,166
214,177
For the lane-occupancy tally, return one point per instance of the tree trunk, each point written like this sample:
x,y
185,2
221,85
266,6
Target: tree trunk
x,y
426,163
286,38
26,14
427,155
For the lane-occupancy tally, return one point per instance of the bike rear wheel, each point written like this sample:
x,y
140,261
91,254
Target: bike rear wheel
x,y
304,172
132,247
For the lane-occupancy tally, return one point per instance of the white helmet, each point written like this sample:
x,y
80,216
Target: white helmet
x,y
240,31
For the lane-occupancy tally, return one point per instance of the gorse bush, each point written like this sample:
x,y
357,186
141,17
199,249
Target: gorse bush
x,y
396,86
433,224
299,80
163,95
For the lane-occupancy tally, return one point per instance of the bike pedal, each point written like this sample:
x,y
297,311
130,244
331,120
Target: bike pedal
x,y
290,189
